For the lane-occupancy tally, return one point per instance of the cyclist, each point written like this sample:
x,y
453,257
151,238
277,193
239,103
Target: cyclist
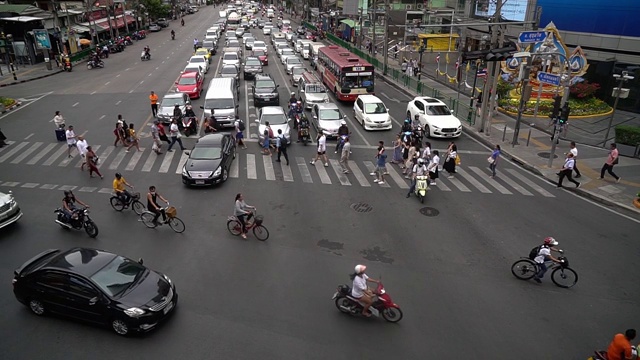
x,y
544,255
241,211
119,186
620,347
68,204
152,204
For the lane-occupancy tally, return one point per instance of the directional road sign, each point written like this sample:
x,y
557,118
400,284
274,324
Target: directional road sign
x,y
532,36
549,78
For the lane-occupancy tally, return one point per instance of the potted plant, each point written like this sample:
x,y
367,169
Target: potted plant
x,y
628,139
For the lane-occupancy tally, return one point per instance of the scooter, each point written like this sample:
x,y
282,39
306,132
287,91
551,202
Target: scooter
x,y
91,64
382,304
303,134
189,125
79,219
422,185
67,66
145,55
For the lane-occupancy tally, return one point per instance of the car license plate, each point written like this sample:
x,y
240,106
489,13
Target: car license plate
x,y
334,296
168,308
199,182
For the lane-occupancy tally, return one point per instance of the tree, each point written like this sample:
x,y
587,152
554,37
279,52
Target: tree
x,y
155,8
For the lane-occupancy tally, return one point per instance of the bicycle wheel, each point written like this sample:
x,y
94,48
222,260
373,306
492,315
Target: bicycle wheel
x,y
138,207
234,227
147,219
176,225
116,204
524,269
564,277
261,233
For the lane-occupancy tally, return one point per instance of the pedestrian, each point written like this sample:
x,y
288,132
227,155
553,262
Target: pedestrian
x,y
414,65
155,136
119,133
409,69
240,127
154,104
2,139
344,156
162,133
58,120
175,135
567,171
381,167
408,163
397,150
71,140
82,146
195,44
92,162
479,102
322,150
281,146
612,160
433,167
266,143
426,153
133,139
574,151
404,65
451,160
493,160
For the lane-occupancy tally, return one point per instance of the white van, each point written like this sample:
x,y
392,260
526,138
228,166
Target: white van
x,y
313,57
222,101
306,50
270,13
371,113
300,43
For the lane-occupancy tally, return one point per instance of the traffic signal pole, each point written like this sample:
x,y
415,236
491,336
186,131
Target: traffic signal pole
x,y
523,99
492,78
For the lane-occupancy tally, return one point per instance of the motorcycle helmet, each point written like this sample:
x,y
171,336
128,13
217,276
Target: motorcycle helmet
x,y
343,122
421,161
118,175
360,269
550,241
407,121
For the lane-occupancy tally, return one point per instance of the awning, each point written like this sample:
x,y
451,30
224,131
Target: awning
x,y
120,21
349,23
79,28
23,19
89,25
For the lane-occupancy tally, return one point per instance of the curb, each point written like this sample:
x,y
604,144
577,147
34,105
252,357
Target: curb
x,y
35,78
477,136
15,105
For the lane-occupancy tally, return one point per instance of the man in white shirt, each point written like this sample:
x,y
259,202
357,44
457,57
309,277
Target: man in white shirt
x,y
322,150
433,167
574,151
82,149
71,139
174,132
567,170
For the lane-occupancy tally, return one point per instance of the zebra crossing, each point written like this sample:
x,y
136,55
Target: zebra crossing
x,y
259,167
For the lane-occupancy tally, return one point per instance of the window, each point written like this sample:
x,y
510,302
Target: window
x,y
80,287
54,280
359,104
117,276
206,153
419,105
375,108
219,104
438,110
187,81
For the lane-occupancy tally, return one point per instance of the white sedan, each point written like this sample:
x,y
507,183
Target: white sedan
x,y
435,116
200,60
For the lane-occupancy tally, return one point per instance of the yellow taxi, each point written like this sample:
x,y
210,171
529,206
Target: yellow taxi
x,y
203,52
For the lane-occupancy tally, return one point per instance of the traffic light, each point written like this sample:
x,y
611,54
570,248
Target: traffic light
x,y
499,54
564,114
556,107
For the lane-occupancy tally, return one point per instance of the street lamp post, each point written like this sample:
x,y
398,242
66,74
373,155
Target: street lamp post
x,y
420,51
618,92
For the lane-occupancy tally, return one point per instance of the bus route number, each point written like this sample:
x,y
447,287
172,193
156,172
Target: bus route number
x,y
358,68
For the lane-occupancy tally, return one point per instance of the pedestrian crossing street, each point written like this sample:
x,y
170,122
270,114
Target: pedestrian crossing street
x,y
259,167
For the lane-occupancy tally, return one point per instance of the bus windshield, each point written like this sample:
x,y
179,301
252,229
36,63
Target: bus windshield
x,y
360,81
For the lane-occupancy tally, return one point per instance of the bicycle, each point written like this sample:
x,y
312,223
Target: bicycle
x,y
562,275
173,221
259,231
118,205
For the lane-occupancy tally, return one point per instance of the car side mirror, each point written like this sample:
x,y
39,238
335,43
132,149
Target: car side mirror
x,y
201,107
176,83
187,153
277,85
140,261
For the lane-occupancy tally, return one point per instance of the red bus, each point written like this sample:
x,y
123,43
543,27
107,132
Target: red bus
x,y
344,73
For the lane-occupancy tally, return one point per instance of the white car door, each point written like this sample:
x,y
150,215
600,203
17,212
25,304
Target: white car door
x,y
357,111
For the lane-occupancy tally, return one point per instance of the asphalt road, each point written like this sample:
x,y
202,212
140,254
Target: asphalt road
x,y
243,299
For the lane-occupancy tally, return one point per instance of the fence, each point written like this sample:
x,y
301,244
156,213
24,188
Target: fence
x,y
460,109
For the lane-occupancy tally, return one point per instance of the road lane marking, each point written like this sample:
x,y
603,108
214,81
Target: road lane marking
x,y
55,155
14,149
473,181
402,184
490,181
362,179
515,185
251,167
104,155
67,187
48,186
106,191
118,159
342,177
24,106
9,142
457,183
151,159
102,117
287,175
322,172
76,104
26,153
234,172
304,170
371,168
30,185
118,75
88,189
107,83
183,160
268,167
118,103
531,184
166,162
30,135
41,154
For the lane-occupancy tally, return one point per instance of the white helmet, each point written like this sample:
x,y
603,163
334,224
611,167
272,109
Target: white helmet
x,y
343,122
421,161
360,269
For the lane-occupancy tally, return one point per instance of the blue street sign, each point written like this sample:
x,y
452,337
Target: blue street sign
x,y
549,78
532,36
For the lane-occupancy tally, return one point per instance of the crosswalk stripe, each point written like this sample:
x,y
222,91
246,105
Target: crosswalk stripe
x,y
87,189
134,159
324,177
41,154
118,159
26,153
30,185
515,185
371,168
55,155
251,167
234,171
362,179
503,190
166,162
148,164
104,155
396,177
304,170
66,161
268,168
183,160
287,175
335,164
457,183
440,185
8,142
530,183
473,181
13,151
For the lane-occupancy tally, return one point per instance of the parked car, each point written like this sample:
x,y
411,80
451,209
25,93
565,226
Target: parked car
x,y
277,119
9,210
191,84
251,66
96,286
153,27
265,91
162,22
326,118
230,71
210,160
194,68
168,103
435,117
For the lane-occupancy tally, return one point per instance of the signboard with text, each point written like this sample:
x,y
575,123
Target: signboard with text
x,y
42,39
512,10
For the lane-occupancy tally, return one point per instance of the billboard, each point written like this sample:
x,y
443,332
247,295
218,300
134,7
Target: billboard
x,y
42,39
512,10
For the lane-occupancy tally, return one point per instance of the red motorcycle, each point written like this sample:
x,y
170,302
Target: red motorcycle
x,y
382,304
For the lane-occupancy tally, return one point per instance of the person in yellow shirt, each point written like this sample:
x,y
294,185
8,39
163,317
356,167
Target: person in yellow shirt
x,y
154,104
119,186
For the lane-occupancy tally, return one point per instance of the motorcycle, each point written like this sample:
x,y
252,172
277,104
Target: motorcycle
x,y
128,41
145,55
189,125
104,53
422,185
79,219
418,134
92,64
67,66
382,304
173,36
304,135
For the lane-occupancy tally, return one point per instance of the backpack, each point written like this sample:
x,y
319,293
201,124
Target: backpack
x,y
270,133
241,126
534,252
284,142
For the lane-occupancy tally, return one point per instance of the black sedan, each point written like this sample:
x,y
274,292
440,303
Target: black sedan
x,y
210,160
95,286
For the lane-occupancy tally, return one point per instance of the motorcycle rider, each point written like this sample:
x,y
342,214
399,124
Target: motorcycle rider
x,y
68,205
152,204
544,255
119,188
173,35
177,114
195,44
360,291
406,126
105,51
147,52
620,347
304,124
190,114
419,169
343,130
182,22
292,104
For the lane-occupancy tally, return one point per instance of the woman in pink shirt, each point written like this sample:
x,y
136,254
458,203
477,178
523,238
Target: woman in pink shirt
x,y
611,161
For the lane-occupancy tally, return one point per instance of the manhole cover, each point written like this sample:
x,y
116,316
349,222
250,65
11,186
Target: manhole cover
x,y
546,155
361,207
429,211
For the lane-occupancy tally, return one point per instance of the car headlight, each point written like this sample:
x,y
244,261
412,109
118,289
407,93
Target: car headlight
x,y
367,119
218,171
134,312
195,89
326,100
184,171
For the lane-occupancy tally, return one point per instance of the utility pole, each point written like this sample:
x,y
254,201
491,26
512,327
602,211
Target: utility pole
x,y
385,46
375,17
360,32
485,92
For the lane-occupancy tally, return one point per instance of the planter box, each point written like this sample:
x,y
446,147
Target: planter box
x,y
627,150
2,109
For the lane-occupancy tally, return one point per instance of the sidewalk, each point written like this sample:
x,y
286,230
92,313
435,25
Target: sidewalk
x,y
25,73
533,151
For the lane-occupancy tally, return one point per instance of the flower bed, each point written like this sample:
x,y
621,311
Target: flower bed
x,y
583,107
7,101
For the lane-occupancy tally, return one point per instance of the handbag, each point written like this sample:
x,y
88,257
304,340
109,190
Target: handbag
x,y
491,160
95,160
458,161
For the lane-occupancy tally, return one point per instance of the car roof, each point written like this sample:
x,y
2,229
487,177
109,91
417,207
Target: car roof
x,y
263,77
326,106
83,261
369,98
272,110
173,95
430,100
189,74
251,58
210,139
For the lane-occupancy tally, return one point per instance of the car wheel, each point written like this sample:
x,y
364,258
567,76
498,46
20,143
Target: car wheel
x,y
36,306
427,131
225,175
120,327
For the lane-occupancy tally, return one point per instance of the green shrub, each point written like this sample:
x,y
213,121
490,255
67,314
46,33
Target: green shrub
x,y
6,101
628,135
582,107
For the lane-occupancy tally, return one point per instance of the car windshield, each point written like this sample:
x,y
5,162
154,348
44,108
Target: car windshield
x,y
259,44
207,44
118,275
252,62
166,102
264,84
229,70
192,69
293,61
257,52
314,89
273,119
219,104
438,110
375,108
330,114
230,57
206,153
187,81
197,60
298,70
288,52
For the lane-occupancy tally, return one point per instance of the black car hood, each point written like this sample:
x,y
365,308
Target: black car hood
x,y
202,165
249,68
147,291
